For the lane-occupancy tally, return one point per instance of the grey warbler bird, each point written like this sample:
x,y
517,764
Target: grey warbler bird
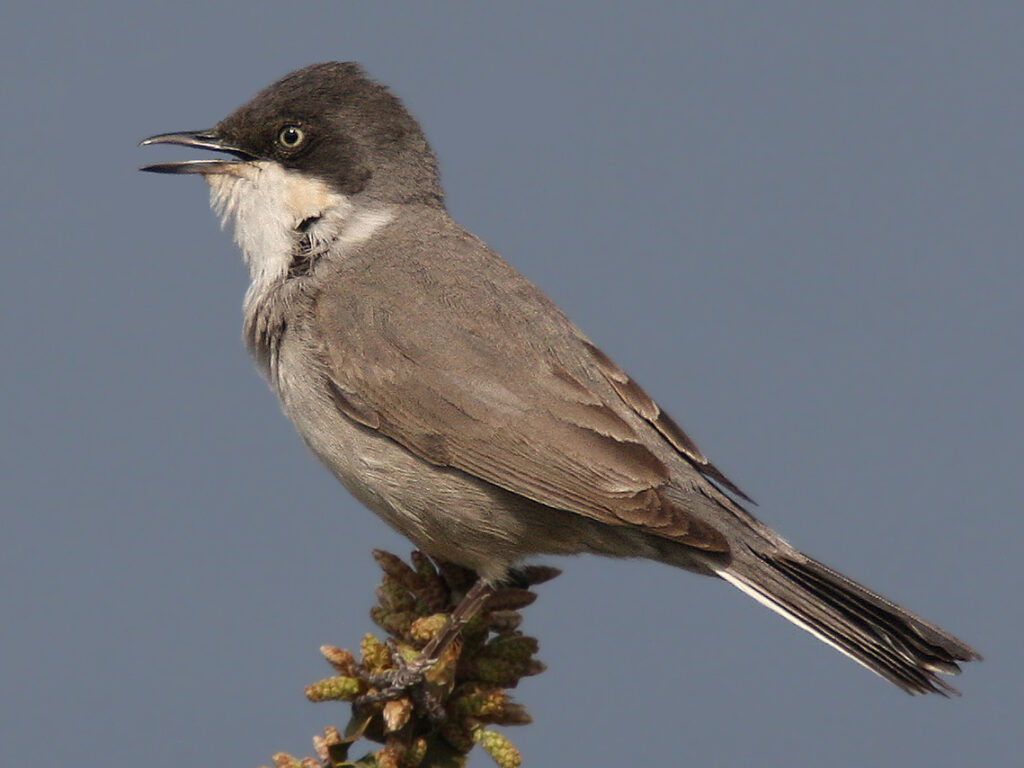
x,y
458,402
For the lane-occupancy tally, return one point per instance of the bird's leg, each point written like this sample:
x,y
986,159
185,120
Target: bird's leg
x,y
407,675
464,612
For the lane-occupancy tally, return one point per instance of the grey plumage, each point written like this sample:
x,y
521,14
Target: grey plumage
x,y
457,401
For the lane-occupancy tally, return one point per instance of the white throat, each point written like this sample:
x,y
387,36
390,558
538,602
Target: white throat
x,y
266,204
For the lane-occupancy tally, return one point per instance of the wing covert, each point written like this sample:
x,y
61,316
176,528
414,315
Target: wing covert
x,y
486,398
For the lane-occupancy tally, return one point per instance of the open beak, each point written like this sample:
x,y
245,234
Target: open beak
x,y
199,140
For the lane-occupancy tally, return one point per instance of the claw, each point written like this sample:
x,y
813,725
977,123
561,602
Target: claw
x,y
406,679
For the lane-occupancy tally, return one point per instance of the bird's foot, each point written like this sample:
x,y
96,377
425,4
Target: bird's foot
x,y
407,678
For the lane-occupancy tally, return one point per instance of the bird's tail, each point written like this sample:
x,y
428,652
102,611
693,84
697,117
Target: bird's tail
x,y
882,636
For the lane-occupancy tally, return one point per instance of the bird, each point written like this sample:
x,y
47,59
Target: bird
x,y
455,400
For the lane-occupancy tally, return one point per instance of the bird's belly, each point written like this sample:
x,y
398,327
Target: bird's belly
x,y
444,511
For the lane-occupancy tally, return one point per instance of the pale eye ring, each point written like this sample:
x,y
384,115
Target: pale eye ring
x,y
291,136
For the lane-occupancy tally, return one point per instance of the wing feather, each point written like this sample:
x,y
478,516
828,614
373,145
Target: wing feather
x,y
514,400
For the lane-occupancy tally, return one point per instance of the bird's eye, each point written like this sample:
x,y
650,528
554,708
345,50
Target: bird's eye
x,y
291,136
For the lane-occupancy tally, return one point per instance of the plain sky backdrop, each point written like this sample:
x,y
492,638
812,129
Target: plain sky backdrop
x,y
798,225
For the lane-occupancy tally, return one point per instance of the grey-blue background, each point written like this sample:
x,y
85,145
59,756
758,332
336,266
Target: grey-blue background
x,y
798,226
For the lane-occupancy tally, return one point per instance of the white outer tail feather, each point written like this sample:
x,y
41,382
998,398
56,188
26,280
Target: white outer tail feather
x,y
765,599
